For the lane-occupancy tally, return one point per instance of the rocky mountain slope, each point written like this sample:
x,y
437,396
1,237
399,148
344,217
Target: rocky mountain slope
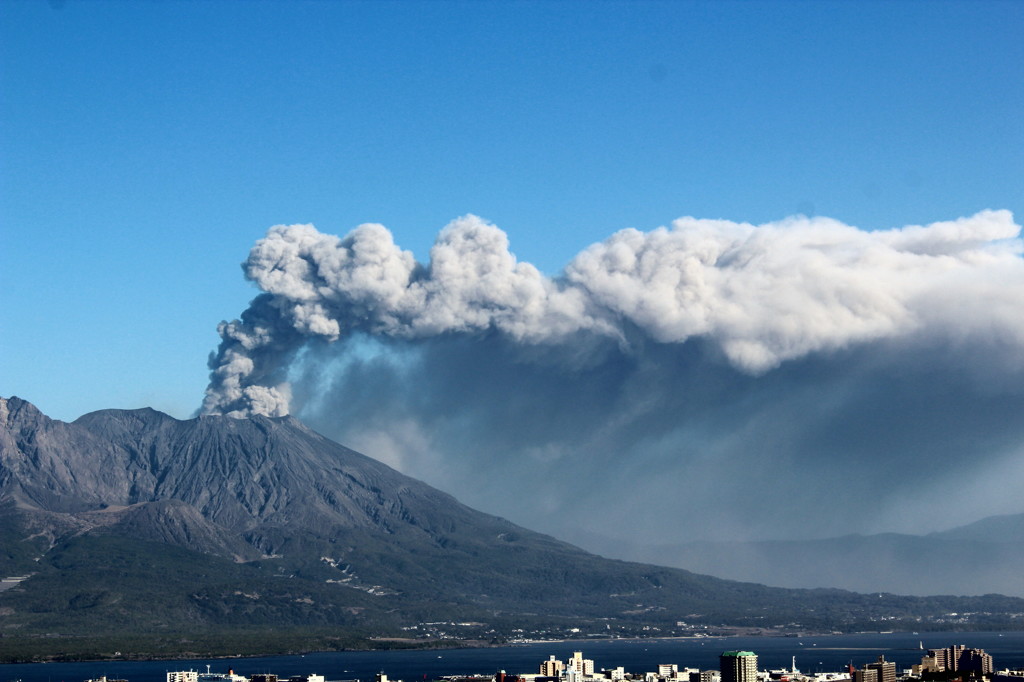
x,y
133,519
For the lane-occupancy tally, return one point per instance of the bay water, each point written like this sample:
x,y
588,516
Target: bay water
x,y
813,654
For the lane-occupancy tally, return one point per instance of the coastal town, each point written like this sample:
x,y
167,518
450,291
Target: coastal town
x,y
956,663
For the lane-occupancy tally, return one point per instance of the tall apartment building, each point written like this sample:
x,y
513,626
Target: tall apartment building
x,y
879,671
954,659
975,661
738,666
583,666
552,667
865,675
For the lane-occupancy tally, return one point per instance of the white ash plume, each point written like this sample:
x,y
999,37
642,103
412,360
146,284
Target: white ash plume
x,y
762,295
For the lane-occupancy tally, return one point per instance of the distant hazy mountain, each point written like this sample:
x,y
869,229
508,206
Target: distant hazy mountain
x,y
980,558
1004,529
132,521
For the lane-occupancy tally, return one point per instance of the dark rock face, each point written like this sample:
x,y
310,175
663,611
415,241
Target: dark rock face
x,y
53,466
133,519
264,489
219,485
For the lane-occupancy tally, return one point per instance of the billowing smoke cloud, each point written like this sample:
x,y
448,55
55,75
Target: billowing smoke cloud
x,y
798,377
762,294
322,287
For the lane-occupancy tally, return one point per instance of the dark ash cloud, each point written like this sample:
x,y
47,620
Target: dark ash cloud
x,y
795,379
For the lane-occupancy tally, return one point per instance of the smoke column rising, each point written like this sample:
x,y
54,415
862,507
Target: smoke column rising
x,y
804,348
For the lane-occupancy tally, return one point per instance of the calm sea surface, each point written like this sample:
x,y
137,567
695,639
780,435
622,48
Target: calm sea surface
x,y
829,653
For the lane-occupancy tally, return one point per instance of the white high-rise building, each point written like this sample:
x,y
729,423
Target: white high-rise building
x,y
583,666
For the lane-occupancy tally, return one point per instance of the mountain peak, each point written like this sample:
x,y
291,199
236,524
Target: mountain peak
x,y
262,521
15,408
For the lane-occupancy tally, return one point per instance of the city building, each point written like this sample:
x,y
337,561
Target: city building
x,y
1008,675
582,666
886,670
738,666
262,677
956,658
183,676
552,667
879,671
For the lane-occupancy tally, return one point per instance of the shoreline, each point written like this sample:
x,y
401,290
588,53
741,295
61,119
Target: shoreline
x,y
411,644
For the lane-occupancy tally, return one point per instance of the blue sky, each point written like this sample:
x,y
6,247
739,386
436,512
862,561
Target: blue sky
x,y
144,147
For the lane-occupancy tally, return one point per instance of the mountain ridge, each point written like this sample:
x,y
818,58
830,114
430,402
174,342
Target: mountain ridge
x,y
998,528
984,557
271,525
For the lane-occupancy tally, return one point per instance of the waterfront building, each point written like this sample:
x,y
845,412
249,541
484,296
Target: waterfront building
x,y
183,676
1008,676
263,677
956,658
552,667
886,669
738,666
582,666
879,671
865,675
975,661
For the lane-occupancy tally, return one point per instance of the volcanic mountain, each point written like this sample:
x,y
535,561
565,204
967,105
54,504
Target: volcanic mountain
x,y
131,520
